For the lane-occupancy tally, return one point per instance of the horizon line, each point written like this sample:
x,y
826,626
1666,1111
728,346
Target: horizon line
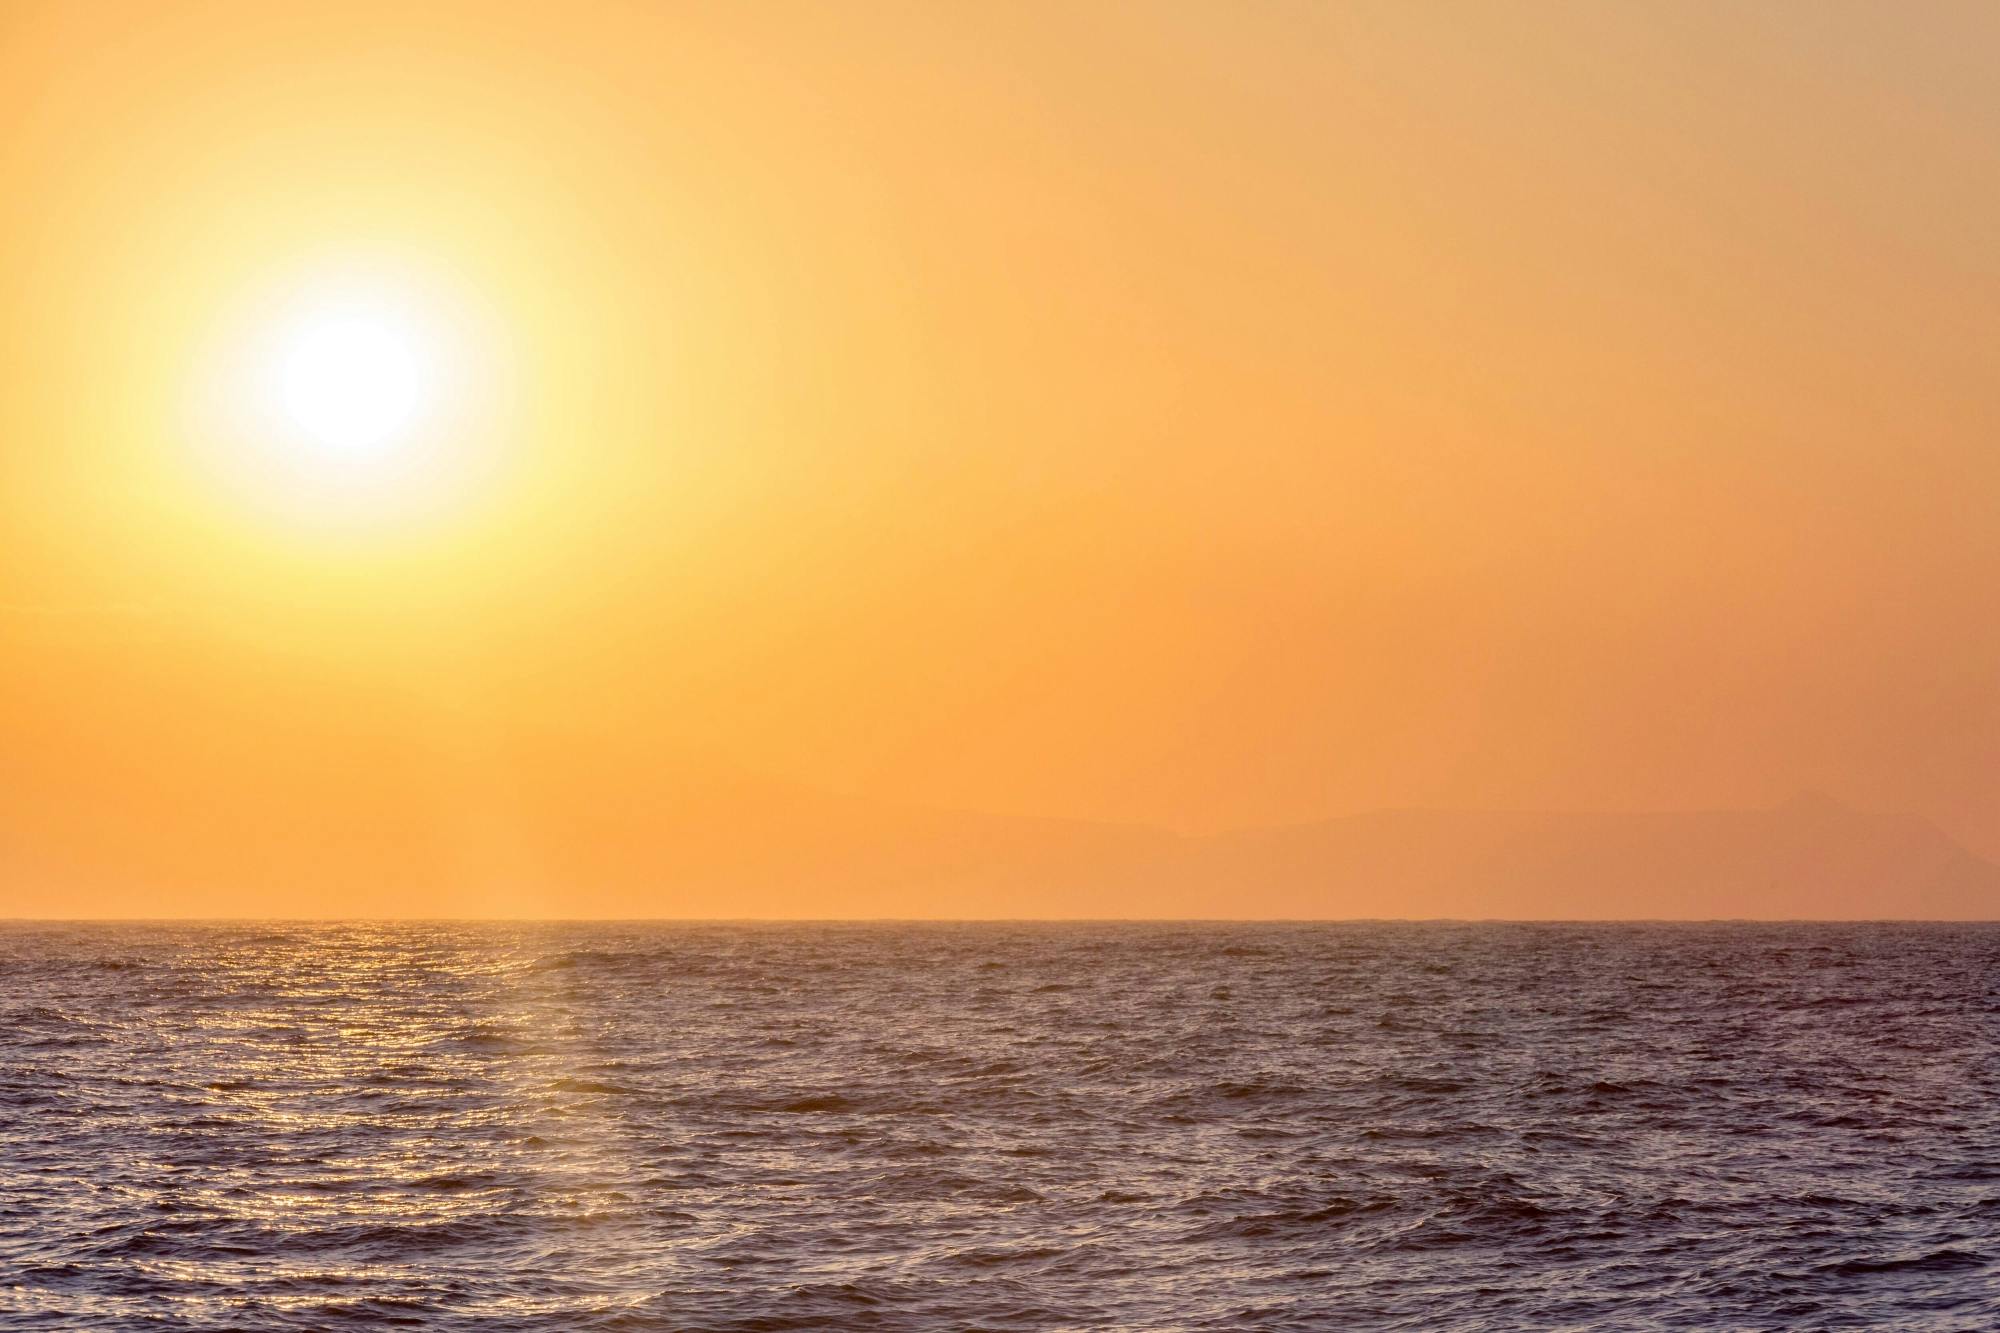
x,y
6,921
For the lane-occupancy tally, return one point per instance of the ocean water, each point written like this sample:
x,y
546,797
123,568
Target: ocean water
x,y
1200,1126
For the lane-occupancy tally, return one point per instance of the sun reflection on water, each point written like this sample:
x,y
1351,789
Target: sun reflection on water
x,y
405,1096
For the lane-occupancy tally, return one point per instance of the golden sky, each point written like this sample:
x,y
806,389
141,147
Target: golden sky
x,y
1192,414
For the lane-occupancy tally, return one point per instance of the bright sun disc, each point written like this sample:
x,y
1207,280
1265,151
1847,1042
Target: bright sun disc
x,y
346,402
353,380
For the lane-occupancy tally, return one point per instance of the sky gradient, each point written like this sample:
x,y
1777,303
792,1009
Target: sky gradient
x,y
1192,415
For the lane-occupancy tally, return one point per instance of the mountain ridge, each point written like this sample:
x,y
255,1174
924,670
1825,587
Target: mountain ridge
x,y
522,838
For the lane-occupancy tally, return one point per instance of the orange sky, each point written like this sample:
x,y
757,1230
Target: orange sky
x,y
1200,415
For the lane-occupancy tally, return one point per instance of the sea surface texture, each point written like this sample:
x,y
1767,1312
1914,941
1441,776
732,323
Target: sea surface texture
x,y
1198,1126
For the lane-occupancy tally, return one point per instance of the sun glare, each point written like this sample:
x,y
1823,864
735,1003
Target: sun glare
x,y
353,380
352,399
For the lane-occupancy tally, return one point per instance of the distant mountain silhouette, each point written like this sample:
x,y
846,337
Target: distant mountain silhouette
x,y
1811,857
253,797
358,825
752,847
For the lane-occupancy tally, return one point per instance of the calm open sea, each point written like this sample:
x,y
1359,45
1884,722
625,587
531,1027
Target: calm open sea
x,y
659,1126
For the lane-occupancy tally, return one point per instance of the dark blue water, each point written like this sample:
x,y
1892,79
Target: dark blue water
x,y
999,1127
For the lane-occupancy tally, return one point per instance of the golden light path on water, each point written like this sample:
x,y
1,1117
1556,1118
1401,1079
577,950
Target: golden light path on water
x,y
355,1059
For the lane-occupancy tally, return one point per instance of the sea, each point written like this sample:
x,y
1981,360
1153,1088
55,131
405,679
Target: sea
x,y
661,1126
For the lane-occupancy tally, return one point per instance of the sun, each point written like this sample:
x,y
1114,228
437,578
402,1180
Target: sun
x,y
354,377
353,380
343,400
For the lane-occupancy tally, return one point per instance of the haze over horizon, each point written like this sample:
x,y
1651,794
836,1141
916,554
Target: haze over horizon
x,y
1201,417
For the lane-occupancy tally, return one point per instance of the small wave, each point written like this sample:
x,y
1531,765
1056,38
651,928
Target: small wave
x,y
590,1085
1273,1225
1936,1261
821,1103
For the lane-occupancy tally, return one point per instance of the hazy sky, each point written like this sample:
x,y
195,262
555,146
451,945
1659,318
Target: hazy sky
x,y
1200,414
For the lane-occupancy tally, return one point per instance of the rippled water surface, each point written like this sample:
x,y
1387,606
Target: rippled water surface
x,y
998,1126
